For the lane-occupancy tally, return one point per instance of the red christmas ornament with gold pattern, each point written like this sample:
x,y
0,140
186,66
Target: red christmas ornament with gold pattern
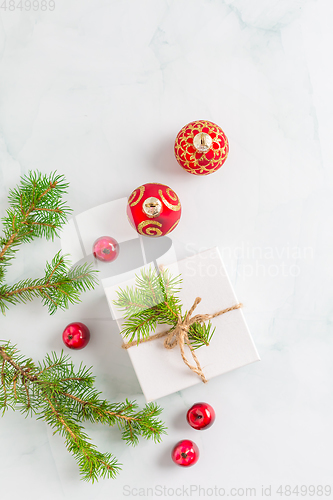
x,y
201,147
154,209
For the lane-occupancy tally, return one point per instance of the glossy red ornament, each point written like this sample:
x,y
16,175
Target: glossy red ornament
x,y
201,147
154,209
200,416
106,249
185,453
76,335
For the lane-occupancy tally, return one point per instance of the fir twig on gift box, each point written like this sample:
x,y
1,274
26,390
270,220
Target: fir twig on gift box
x,y
154,301
161,371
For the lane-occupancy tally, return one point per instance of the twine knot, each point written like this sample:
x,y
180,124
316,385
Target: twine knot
x,y
173,335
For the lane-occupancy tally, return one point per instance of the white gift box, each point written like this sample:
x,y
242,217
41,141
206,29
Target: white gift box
x,y
162,371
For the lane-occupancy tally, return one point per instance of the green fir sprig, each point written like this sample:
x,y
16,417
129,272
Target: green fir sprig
x,y
54,391
36,209
154,301
60,286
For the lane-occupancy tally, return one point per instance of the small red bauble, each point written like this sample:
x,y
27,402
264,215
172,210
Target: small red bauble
x,y
201,147
185,453
154,209
200,416
106,249
76,336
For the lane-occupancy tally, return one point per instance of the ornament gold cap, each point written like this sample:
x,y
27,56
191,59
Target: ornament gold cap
x,y
202,142
152,207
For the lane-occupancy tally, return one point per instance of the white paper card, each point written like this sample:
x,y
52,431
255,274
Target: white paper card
x,y
162,371
105,220
79,234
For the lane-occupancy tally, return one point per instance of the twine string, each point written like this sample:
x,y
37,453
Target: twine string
x,y
178,335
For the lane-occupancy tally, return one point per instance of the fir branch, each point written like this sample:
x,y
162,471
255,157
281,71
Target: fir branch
x,y
49,390
92,463
200,334
60,286
151,289
154,301
36,209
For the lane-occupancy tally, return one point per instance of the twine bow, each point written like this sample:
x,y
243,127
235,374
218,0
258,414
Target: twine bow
x,y
179,335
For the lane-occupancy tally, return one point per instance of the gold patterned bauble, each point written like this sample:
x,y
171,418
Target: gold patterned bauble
x,y
154,209
201,147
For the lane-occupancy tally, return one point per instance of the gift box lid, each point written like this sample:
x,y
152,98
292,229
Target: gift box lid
x,y
162,371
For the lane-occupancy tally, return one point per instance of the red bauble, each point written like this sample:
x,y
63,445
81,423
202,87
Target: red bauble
x,y
201,147
200,416
154,209
185,453
106,249
76,336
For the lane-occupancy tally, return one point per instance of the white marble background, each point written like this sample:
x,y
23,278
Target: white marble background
x,y
98,90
